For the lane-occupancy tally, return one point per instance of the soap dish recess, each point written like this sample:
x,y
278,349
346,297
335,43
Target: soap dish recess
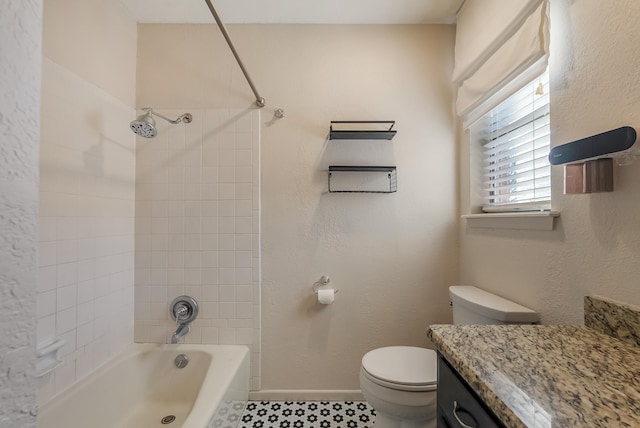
x,y
47,357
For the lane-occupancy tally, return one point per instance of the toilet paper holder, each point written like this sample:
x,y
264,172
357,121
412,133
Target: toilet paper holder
x,y
324,280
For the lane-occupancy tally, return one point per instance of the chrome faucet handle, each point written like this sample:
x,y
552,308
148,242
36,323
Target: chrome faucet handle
x,y
181,312
183,309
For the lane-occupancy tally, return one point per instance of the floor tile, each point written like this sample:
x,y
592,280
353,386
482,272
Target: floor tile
x,y
307,414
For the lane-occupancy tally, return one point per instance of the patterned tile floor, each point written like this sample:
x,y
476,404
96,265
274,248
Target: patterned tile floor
x,y
307,414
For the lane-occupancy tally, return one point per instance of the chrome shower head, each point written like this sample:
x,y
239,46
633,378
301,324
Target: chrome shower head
x,y
145,125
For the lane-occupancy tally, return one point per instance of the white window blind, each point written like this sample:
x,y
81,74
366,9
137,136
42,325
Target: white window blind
x,y
515,138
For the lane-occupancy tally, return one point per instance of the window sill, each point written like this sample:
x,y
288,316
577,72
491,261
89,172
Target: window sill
x,y
534,220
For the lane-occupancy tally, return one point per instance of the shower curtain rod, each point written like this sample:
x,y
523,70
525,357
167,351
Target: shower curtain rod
x,y
260,102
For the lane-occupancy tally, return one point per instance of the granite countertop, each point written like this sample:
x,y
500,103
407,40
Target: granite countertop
x,y
546,376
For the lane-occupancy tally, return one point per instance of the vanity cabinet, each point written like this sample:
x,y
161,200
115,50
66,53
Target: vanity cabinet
x,y
458,405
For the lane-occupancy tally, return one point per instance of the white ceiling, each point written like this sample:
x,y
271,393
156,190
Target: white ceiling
x,y
296,11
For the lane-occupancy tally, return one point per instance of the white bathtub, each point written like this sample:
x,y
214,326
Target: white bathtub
x,y
143,385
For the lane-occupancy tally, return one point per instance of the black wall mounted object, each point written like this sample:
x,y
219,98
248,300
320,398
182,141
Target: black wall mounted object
x,y
362,131
613,141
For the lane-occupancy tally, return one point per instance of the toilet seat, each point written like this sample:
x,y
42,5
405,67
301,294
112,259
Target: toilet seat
x,y
405,368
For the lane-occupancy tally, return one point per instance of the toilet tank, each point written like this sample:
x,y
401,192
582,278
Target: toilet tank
x,y
472,305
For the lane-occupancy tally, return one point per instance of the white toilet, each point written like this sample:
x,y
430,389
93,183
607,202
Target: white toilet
x,y
399,382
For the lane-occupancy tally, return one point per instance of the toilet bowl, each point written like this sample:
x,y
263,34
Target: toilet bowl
x,y
399,382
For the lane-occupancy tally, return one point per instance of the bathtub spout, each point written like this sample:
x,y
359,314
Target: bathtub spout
x,y
182,330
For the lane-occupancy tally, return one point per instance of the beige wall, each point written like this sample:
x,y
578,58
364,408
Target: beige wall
x,y
94,39
595,247
87,187
392,256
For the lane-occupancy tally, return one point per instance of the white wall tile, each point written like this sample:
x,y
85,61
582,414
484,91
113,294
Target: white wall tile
x,y
244,275
47,278
227,275
175,276
243,225
66,274
226,259
244,293
66,297
192,276
227,208
46,328
65,320
227,242
86,312
48,228
227,336
243,242
226,174
46,303
244,336
227,225
210,293
244,191
47,253
244,310
243,259
67,228
177,225
227,293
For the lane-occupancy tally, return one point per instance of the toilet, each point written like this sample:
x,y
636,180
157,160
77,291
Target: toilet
x,y
400,382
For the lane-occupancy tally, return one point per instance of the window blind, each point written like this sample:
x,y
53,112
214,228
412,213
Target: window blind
x,y
515,138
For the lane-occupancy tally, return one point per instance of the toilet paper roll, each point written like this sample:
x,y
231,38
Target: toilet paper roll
x,y
326,296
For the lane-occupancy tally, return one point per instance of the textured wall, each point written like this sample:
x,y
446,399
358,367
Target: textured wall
x,y
595,55
20,44
392,256
87,187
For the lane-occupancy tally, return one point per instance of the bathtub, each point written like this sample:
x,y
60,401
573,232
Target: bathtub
x,y
143,388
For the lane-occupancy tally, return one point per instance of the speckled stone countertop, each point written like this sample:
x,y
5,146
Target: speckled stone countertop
x,y
546,376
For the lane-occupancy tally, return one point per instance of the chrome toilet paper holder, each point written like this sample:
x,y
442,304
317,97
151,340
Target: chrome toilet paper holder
x,y
324,281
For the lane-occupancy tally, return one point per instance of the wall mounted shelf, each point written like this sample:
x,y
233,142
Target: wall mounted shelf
x,y
362,179
361,130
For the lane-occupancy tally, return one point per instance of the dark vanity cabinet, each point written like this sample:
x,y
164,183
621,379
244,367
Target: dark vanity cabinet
x,y
458,405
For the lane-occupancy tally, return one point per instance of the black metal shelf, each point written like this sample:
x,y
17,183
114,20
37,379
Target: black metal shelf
x,y
378,185
362,134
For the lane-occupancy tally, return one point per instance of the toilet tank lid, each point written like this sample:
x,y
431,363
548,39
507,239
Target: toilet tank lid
x,y
490,305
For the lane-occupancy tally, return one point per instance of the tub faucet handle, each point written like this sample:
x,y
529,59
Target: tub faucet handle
x,y
183,309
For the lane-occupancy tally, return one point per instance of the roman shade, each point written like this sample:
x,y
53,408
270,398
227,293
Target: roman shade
x,y
500,46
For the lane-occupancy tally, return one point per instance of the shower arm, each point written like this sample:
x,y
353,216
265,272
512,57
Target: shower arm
x,y
260,102
186,118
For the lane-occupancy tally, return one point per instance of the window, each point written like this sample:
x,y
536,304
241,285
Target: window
x,y
515,141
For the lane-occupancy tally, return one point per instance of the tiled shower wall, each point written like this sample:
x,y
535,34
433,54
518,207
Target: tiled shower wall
x,y
198,229
86,253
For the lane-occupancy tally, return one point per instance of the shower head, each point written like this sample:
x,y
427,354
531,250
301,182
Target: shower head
x,y
145,125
